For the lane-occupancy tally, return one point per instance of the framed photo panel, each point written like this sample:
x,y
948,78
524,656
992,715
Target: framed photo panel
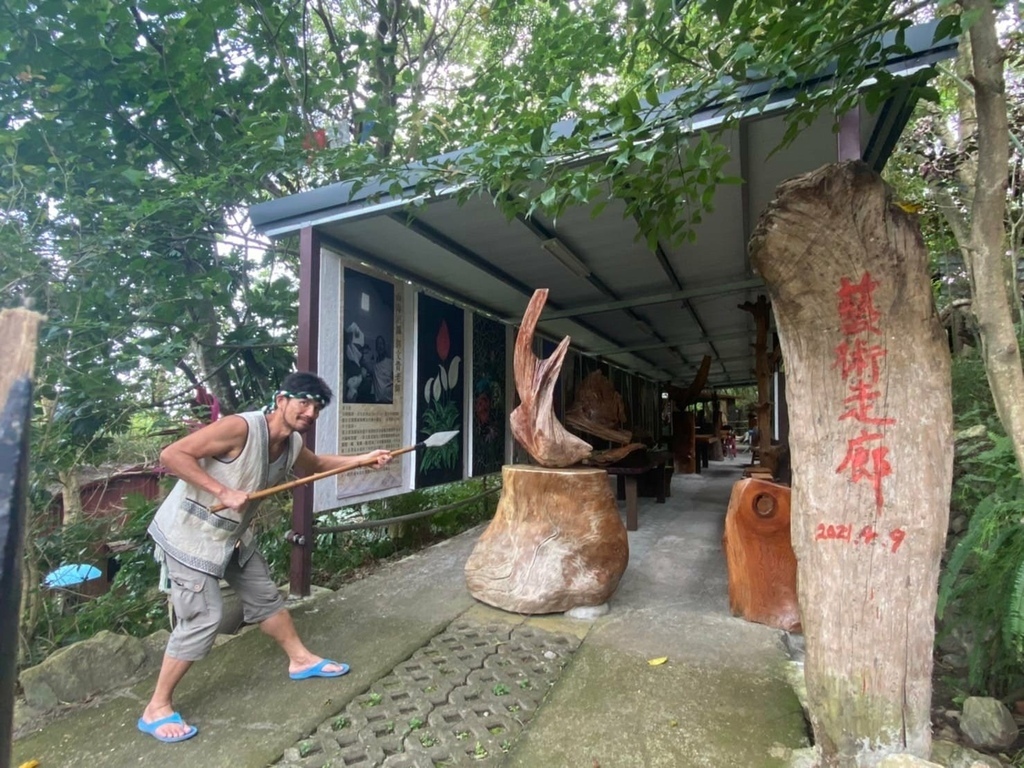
x,y
488,397
440,389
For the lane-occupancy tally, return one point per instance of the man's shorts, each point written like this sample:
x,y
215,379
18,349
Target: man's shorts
x,y
198,605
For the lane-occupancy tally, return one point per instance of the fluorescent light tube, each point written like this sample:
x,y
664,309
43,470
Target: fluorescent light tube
x,y
558,249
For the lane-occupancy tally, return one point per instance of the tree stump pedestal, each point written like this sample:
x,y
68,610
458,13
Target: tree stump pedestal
x,y
556,542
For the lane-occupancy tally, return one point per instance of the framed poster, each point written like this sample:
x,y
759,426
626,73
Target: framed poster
x,y
370,411
489,385
440,389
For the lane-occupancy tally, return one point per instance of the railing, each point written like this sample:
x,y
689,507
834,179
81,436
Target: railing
x,y
365,524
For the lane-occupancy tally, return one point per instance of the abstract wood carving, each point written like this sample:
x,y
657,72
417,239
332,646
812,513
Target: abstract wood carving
x,y
598,410
759,555
534,423
613,455
556,542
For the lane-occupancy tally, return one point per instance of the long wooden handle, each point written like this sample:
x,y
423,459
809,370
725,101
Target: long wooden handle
x,y
313,478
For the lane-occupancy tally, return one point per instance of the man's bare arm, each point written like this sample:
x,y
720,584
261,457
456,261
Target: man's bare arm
x,y
224,438
309,463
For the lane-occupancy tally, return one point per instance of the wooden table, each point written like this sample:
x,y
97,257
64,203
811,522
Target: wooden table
x,y
627,477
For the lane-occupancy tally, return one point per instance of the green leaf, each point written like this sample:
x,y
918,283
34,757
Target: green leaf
x,y
948,27
537,138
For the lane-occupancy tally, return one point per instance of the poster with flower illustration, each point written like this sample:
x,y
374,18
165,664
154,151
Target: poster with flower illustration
x,y
489,351
440,354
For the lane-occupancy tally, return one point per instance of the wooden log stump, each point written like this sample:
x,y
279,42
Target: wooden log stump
x,y
556,542
759,555
867,372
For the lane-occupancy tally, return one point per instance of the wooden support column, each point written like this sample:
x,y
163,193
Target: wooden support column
x,y
764,364
19,330
309,338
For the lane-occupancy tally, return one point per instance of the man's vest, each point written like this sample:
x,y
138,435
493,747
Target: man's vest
x,y
186,529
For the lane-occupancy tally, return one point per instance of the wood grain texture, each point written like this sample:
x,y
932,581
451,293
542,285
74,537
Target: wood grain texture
x,y
19,332
868,392
534,423
759,555
556,542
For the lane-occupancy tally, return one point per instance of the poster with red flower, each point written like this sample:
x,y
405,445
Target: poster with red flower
x,y
440,354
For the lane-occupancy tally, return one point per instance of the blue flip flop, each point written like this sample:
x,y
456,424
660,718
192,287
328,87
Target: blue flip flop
x,y
173,718
317,670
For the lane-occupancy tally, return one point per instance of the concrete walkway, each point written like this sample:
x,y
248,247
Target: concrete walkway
x,y
439,679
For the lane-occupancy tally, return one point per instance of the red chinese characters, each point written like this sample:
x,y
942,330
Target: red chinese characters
x,y
859,358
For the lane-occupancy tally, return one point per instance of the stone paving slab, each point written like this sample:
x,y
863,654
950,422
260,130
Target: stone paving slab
x,y
462,699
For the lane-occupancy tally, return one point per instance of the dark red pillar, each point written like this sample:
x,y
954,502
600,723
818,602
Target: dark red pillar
x,y
309,338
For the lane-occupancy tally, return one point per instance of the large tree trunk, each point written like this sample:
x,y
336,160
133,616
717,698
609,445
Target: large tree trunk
x,y
870,413
992,273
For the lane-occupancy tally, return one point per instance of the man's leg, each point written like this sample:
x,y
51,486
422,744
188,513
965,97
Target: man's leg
x,y
281,627
262,604
161,705
198,607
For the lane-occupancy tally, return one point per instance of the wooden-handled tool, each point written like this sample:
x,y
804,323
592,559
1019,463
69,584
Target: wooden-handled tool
x,y
435,440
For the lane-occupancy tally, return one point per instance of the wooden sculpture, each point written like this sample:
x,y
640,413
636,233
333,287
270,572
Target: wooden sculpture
x,y
556,541
534,423
759,555
598,410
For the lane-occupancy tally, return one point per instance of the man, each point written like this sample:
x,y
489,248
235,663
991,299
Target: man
x,y
221,464
352,364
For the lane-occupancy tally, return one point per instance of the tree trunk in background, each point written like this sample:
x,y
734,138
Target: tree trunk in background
x,y
978,215
71,495
992,273
870,414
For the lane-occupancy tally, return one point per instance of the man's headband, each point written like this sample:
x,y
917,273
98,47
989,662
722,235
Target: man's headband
x,y
318,399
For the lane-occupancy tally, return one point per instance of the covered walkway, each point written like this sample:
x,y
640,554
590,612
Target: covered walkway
x,y
439,679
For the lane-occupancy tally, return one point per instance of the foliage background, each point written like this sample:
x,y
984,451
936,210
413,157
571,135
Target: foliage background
x,y
134,136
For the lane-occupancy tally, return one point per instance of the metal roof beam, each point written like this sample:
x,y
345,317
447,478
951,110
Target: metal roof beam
x,y
673,343
543,233
657,298
442,241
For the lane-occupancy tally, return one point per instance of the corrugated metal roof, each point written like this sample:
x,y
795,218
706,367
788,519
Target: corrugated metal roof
x,y
654,313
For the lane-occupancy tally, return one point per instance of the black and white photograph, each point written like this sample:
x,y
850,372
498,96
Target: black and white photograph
x,y
368,367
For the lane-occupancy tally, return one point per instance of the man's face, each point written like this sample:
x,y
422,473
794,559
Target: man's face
x,y
299,413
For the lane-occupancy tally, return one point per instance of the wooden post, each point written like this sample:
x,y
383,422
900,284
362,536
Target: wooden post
x,y
19,330
871,445
301,570
684,429
764,364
